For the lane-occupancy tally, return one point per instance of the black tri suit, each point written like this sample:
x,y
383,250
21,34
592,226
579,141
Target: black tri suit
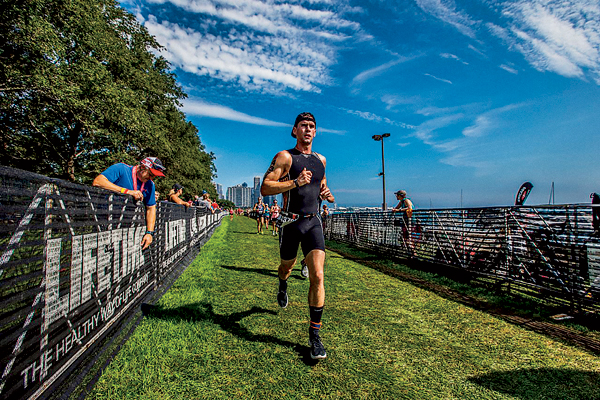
x,y
306,202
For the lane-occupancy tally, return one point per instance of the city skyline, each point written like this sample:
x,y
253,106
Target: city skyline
x,y
478,97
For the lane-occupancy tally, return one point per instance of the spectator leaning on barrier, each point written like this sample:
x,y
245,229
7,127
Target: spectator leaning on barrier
x,y
324,215
206,202
175,193
405,206
135,181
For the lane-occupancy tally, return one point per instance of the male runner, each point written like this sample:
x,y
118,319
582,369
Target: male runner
x,y
299,174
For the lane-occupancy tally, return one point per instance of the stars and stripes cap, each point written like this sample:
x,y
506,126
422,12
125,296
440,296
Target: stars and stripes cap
x,y
155,165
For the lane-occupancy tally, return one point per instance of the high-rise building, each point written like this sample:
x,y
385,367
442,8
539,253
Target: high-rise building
x,y
268,200
256,190
219,189
240,195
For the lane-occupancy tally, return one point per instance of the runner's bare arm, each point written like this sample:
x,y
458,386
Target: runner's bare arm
x,y
325,193
279,168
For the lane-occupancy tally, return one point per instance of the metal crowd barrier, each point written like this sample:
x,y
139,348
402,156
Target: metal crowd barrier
x,y
548,252
72,270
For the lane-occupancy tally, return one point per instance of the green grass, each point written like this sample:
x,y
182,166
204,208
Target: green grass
x,y
476,288
218,333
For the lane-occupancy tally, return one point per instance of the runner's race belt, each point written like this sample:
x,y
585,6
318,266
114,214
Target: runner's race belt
x,y
286,218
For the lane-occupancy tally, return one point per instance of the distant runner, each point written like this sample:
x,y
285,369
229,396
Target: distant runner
x,y
259,207
275,209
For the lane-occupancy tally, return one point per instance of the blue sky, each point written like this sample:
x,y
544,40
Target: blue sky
x,y
478,96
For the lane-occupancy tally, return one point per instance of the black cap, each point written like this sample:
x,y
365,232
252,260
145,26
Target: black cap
x,y
305,116
177,187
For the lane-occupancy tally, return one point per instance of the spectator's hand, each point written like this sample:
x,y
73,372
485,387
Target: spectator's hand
x,y
138,195
304,177
146,241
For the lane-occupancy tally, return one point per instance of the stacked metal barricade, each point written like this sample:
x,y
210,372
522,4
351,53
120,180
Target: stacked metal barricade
x,y
548,252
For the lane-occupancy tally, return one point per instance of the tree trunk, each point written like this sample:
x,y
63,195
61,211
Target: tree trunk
x,y
73,141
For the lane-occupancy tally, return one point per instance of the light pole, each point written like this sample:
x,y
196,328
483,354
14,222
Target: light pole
x,y
379,138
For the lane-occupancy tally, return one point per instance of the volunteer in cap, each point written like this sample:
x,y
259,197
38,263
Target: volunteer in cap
x,y
135,181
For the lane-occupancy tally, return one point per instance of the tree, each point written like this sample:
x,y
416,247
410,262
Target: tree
x,y
81,88
225,204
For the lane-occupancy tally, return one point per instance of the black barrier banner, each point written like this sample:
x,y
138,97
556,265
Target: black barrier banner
x,y
549,252
71,268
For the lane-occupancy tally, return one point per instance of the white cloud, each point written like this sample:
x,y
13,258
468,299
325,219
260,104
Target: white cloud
x,y
393,100
561,36
267,15
476,50
203,109
463,150
334,131
557,36
370,73
251,61
489,120
439,79
270,46
445,10
426,131
376,118
453,57
509,69
482,124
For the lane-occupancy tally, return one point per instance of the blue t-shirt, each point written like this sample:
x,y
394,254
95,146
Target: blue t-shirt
x,y
121,174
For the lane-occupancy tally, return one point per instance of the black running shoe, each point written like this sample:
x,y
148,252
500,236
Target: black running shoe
x,y
317,350
304,270
282,299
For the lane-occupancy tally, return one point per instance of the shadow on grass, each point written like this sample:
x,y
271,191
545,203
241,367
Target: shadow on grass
x,y
543,383
228,322
261,271
243,232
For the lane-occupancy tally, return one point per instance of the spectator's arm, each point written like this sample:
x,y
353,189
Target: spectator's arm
x,y
176,199
104,183
150,222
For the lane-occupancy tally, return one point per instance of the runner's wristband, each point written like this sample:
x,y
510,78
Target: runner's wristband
x,y
151,233
124,191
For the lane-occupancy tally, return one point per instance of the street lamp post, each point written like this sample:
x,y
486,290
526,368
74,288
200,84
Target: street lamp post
x,y
379,138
